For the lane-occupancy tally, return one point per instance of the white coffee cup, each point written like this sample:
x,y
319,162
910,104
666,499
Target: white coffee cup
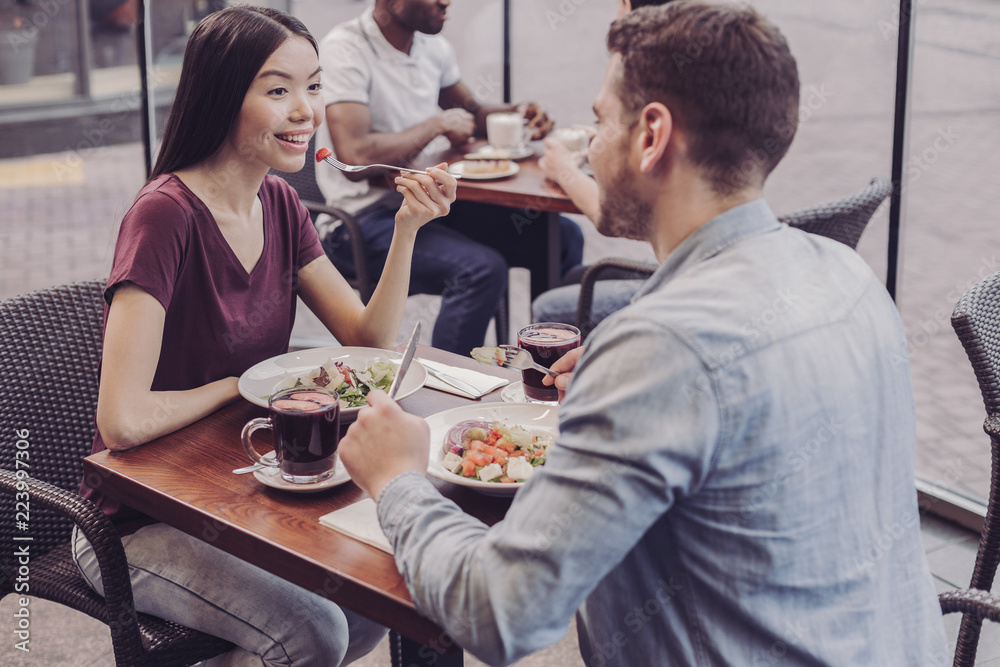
x,y
506,130
574,138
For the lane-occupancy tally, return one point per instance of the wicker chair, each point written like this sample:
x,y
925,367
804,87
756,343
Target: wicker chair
x,y
976,320
842,220
48,389
304,183
361,279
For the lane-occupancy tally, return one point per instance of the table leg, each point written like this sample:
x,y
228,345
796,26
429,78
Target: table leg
x,y
555,250
408,653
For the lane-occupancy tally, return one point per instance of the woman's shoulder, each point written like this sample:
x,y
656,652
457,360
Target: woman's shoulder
x,y
164,206
278,193
166,191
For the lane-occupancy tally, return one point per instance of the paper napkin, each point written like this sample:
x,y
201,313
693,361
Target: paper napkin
x,y
481,381
359,521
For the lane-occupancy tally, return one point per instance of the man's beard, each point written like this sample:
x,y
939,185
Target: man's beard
x,y
622,213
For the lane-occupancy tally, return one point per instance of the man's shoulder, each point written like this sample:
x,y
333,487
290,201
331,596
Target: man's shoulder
x,y
438,50
344,37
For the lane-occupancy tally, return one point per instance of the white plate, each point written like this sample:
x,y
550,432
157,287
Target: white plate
x,y
534,416
272,477
519,153
258,382
458,169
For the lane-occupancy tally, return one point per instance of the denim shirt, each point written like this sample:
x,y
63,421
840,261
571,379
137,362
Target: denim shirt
x,y
732,483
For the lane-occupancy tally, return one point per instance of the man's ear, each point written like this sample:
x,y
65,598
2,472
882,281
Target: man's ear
x,y
656,127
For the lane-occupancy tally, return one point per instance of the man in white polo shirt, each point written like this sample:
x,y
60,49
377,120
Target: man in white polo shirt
x,y
393,90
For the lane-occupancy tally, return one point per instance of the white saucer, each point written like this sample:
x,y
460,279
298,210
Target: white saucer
x,y
272,477
458,169
519,153
514,393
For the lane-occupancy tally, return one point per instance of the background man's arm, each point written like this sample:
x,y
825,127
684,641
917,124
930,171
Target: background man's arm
x,y
460,97
354,141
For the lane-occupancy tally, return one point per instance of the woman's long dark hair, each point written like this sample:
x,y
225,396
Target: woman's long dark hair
x,y
221,59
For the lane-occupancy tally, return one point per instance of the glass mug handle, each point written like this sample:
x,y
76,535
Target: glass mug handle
x,y
248,431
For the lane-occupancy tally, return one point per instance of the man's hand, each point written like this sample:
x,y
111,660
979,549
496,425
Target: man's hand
x,y
458,126
383,443
538,120
559,163
564,366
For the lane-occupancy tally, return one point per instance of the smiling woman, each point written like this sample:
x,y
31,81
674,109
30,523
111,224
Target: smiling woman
x,y
207,269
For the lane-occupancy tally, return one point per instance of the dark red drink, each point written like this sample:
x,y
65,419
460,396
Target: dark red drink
x,y
305,428
546,341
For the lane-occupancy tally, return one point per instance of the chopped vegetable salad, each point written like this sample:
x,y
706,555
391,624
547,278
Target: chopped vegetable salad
x,y
494,451
350,384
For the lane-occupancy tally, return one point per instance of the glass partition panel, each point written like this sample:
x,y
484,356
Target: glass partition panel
x,y
949,229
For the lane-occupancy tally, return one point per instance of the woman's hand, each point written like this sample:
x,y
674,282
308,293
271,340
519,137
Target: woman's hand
x,y
426,197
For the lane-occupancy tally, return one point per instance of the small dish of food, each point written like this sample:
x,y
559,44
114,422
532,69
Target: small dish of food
x,y
483,168
494,448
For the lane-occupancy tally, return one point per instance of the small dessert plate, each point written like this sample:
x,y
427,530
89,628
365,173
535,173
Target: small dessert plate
x,y
458,169
519,153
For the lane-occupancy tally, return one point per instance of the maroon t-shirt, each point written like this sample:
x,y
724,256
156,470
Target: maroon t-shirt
x,y
220,320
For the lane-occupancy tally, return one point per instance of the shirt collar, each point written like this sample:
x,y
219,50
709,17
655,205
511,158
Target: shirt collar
x,y
381,46
713,237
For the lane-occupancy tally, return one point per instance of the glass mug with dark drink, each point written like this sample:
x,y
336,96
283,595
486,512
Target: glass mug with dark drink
x,y
305,427
546,341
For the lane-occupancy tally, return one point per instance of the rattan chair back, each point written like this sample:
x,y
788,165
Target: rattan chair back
x,y
976,320
842,219
48,399
48,396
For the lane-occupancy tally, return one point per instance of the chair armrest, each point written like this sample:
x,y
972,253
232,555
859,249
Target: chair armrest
x,y
101,533
606,269
981,604
365,284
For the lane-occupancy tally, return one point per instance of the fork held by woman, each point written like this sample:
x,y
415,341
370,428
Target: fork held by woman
x,y
325,155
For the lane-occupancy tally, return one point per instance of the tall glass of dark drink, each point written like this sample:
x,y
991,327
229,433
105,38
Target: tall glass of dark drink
x,y
546,341
305,427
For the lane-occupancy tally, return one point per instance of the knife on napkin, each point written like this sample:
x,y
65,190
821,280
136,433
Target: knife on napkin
x,y
460,381
404,365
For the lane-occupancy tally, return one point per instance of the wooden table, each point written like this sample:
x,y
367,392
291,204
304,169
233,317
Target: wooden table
x,y
529,191
185,479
